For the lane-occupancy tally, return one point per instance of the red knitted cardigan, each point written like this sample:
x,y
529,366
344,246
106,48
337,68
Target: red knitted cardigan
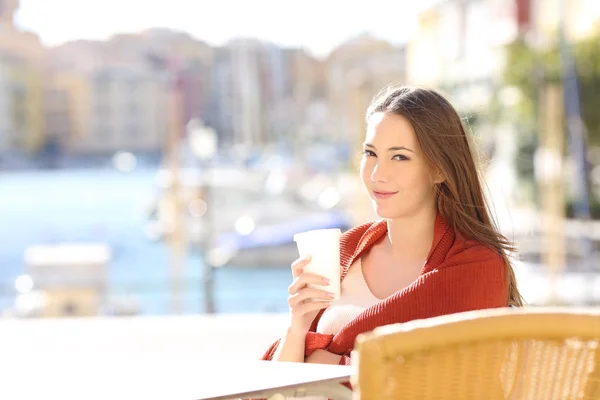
x,y
459,275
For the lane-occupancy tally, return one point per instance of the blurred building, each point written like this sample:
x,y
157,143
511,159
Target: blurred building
x,y
70,280
66,111
275,82
193,59
106,110
355,72
97,102
68,93
305,106
581,17
80,56
196,81
459,47
127,112
221,97
249,124
259,91
103,97
307,79
21,116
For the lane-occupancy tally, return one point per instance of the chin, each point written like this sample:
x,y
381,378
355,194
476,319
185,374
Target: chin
x,y
385,212
388,216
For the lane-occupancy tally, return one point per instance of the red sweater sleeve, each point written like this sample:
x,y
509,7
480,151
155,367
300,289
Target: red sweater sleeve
x,y
345,360
313,342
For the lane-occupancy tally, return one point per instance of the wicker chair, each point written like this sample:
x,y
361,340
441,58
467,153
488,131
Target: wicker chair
x,y
529,353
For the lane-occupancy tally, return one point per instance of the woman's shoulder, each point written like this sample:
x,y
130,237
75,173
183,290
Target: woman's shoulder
x,y
469,251
358,230
354,236
359,239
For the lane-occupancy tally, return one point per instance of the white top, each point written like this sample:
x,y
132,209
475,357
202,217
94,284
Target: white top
x,y
355,298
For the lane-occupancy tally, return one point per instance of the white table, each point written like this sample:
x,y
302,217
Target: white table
x,y
102,375
278,380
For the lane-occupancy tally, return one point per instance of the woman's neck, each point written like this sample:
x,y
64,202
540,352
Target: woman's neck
x,y
410,238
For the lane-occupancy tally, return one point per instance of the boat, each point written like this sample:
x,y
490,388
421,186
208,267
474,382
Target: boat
x,y
241,217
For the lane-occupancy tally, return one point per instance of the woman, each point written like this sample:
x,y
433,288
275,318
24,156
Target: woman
x,y
435,251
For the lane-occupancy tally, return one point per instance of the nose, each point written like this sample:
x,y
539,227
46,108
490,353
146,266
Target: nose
x,y
380,173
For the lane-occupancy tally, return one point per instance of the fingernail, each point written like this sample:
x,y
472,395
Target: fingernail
x,y
330,295
327,281
307,258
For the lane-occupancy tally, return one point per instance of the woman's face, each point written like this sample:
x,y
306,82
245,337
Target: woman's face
x,y
394,171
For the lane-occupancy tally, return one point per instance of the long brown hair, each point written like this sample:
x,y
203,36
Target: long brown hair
x,y
442,136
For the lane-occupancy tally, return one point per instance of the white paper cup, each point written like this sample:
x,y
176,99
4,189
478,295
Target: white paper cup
x,y
323,246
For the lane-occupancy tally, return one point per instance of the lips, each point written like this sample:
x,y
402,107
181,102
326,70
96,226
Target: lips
x,y
383,195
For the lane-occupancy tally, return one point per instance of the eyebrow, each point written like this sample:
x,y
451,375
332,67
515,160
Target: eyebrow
x,y
394,148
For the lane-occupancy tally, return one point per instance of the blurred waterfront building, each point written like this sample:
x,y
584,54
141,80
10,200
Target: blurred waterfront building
x,y
66,110
127,111
21,116
105,97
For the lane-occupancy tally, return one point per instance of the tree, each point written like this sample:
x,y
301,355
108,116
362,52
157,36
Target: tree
x,y
587,54
528,69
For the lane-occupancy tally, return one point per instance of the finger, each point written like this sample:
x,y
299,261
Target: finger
x,y
305,279
309,293
299,264
309,306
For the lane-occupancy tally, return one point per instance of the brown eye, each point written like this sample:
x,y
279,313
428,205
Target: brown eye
x,y
369,153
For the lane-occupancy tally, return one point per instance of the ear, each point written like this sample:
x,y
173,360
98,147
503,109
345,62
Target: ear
x,y
438,177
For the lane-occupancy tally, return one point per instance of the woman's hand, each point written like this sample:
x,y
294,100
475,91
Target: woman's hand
x,y
323,357
304,302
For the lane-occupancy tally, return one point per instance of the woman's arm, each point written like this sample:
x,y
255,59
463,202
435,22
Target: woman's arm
x,y
305,304
291,347
323,357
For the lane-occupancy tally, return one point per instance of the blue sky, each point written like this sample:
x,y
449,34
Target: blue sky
x,y
318,25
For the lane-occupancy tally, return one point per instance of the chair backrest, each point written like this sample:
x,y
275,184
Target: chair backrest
x,y
528,353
